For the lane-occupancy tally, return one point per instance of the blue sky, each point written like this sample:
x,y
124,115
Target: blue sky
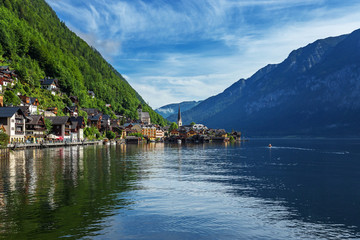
x,y
179,50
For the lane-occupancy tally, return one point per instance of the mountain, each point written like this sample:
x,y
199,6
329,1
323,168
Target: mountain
x,y
167,110
315,91
36,44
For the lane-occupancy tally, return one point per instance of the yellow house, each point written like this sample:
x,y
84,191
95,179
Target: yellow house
x,y
149,131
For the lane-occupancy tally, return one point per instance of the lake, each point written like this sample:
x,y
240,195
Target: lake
x,y
298,189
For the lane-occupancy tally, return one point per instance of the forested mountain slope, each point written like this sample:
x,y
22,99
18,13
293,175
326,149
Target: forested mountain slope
x,y
35,43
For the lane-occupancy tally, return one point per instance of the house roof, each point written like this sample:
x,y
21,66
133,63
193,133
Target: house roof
x,y
78,120
25,109
95,117
4,67
105,117
32,100
58,120
34,119
145,115
48,81
10,111
91,111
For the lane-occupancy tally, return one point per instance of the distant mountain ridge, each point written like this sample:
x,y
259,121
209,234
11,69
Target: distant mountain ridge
x,y
168,110
315,91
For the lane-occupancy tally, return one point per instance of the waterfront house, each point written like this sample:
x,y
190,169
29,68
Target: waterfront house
x,y
13,120
77,125
95,121
51,85
236,135
174,132
60,126
35,128
105,122
149,132
220,133
186,133
160,133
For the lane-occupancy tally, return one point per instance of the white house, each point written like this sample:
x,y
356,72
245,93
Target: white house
x,y
51,85
13,121
199,127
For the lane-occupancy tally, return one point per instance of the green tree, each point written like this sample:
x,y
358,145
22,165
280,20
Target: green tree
x,y
4,139
136,134
92,133
110,135
84,115
173,126
48,126
192,123
11,98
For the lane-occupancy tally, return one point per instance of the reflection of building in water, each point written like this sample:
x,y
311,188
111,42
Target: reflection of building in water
x,y
81,160
4,183
31,176
17,168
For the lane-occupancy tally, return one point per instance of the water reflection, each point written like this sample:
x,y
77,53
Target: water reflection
x,y
296,190
67,189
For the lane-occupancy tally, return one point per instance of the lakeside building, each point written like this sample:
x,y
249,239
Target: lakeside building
x,y
60,126
149,132
35,128
179,120
144,117
12,120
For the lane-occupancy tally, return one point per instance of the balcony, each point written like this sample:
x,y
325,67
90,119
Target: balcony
x,y
19,132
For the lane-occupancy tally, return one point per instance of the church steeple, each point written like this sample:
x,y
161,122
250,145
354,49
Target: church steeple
x,y
179,121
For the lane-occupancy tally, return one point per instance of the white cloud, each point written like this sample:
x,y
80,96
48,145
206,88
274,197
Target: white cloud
x,y
255,34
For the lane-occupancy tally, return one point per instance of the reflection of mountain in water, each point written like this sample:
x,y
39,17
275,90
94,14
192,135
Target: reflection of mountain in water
x,y
306,181
64,191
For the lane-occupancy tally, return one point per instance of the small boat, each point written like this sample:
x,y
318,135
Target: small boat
x,y
270,145
179,141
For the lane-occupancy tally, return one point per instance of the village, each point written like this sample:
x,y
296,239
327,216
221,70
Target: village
x,y
27,124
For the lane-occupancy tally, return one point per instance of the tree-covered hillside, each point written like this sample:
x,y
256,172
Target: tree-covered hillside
x,y
35,43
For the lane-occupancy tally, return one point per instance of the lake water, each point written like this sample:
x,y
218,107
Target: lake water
x,y
298,189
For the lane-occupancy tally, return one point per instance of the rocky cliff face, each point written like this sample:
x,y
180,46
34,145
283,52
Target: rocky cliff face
x,y
315,91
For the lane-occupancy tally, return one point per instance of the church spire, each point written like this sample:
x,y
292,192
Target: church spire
x,y
179,121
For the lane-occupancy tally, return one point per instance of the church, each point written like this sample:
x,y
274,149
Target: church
x,y
144,117
179,121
